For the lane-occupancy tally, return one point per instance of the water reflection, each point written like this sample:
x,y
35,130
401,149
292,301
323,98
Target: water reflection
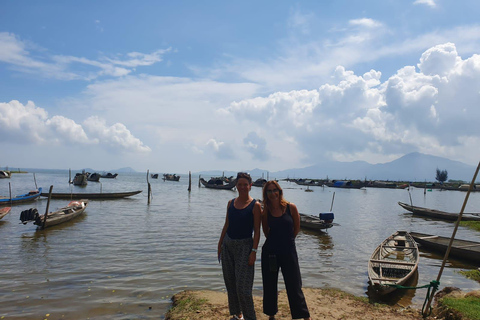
x,y
402,297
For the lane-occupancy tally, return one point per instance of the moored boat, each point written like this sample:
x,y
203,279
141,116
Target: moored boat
x,y
154,175
215,183
260,182
393,262
92,196
461,249
5,174
4,211
95,177
109,175
170,177
345,184
323,221
80,179
71,211
437,214
27,197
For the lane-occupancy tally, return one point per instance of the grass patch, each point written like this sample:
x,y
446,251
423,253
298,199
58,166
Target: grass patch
x,y
475,225
185,306
468,307
471,274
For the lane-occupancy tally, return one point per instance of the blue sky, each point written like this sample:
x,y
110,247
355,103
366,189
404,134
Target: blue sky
x,y
187,85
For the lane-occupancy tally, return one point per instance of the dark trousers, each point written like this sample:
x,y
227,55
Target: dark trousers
x,y
288,262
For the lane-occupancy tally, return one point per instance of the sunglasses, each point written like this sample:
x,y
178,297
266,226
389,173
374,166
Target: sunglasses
x,y
273,191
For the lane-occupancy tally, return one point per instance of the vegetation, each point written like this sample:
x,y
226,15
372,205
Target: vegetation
x,y
442,176
471,274
475,225
468,307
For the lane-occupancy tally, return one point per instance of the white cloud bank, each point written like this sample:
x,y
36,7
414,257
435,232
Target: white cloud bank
x,y
29,124
433,109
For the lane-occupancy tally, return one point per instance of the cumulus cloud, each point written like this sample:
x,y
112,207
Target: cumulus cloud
x,y
30,124
256,145
430,3
432,109
220,149
16,53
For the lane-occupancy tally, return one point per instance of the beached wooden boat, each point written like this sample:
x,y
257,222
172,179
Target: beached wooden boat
x,y
170,177
218,184
92,196
437,214
27,197
393,262
323,221
4,211
461,249
71,211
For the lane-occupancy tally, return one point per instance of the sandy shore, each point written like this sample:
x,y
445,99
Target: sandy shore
x,y
322,303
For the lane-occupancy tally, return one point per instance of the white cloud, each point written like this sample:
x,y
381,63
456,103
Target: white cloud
x,y
430,3
365,22
256,145
221,149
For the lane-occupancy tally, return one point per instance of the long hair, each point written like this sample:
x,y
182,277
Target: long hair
x,y
266,202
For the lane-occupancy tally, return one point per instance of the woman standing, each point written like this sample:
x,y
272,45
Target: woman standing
x,y
238,251
281,224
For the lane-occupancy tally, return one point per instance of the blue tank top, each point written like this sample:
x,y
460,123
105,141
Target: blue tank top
x,y
240,221
280,237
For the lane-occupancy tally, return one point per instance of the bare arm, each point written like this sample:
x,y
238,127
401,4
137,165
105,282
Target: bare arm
x,y
257,217
296,219
224,232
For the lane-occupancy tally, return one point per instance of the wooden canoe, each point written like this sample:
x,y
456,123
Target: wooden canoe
x,y
437,214
4,211
27,197
461,249
218,184
92,196
71,211
314,223
393,262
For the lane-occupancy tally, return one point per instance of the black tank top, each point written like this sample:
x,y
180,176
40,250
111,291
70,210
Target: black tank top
x,y
281,237
240,221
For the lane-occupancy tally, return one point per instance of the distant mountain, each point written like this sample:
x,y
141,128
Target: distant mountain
x,y
123,170
411,167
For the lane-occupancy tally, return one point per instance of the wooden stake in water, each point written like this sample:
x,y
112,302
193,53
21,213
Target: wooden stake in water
x,y
48,205
10,191
453,235
149,188
189,181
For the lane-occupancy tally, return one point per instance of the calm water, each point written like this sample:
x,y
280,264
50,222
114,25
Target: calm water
x,y
124,259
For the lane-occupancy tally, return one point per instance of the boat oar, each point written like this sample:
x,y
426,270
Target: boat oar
x,y
452,238
48,204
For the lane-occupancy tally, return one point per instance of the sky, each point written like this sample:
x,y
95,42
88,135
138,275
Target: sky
x,y
178,86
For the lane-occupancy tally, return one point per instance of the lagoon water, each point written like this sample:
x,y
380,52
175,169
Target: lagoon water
x,y
125,259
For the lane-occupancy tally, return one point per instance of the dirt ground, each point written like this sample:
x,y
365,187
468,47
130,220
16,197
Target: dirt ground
x,y
322,304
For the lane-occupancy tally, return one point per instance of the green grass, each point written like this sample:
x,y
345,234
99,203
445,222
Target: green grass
x,y
475,225
471,274
468,307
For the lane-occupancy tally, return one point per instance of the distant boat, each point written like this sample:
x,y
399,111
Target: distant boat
x,y
323,221
80,179
154,175
437,214
71,211
95,177
92,196
461,249
216,183
4,211
27,197
5,174
345,184
260,182
170,177
109,175
393,262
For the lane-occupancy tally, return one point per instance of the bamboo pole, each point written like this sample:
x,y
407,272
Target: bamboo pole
x,y
48,205
10,192
149,188
453,236
35,180
189,181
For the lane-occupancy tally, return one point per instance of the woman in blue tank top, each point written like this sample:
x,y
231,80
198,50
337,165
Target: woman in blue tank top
x,y
237,250
281,224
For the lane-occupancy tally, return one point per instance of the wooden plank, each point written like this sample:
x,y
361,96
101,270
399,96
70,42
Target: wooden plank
x,y
393,262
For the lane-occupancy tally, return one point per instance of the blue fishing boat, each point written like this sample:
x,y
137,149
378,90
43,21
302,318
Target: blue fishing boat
x,y
27,197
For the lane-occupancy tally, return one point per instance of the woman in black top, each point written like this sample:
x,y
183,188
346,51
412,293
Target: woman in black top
x,y
281,224
238,251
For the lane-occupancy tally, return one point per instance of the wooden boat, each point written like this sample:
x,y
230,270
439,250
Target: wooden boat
x,y
461,249
437,214
80,179
393,262
218,184
4,211
71,211
260,182
323,221
170,177
154,175
92,196
27,197
109,175
5,174
345,184
95,177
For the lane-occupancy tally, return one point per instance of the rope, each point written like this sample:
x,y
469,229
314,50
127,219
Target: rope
x,y
433,284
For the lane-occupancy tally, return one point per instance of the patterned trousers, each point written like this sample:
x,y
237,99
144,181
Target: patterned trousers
x,y
238,276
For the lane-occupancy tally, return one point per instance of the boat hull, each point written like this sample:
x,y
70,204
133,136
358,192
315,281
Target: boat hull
x,y
92,196
27,197
437,214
